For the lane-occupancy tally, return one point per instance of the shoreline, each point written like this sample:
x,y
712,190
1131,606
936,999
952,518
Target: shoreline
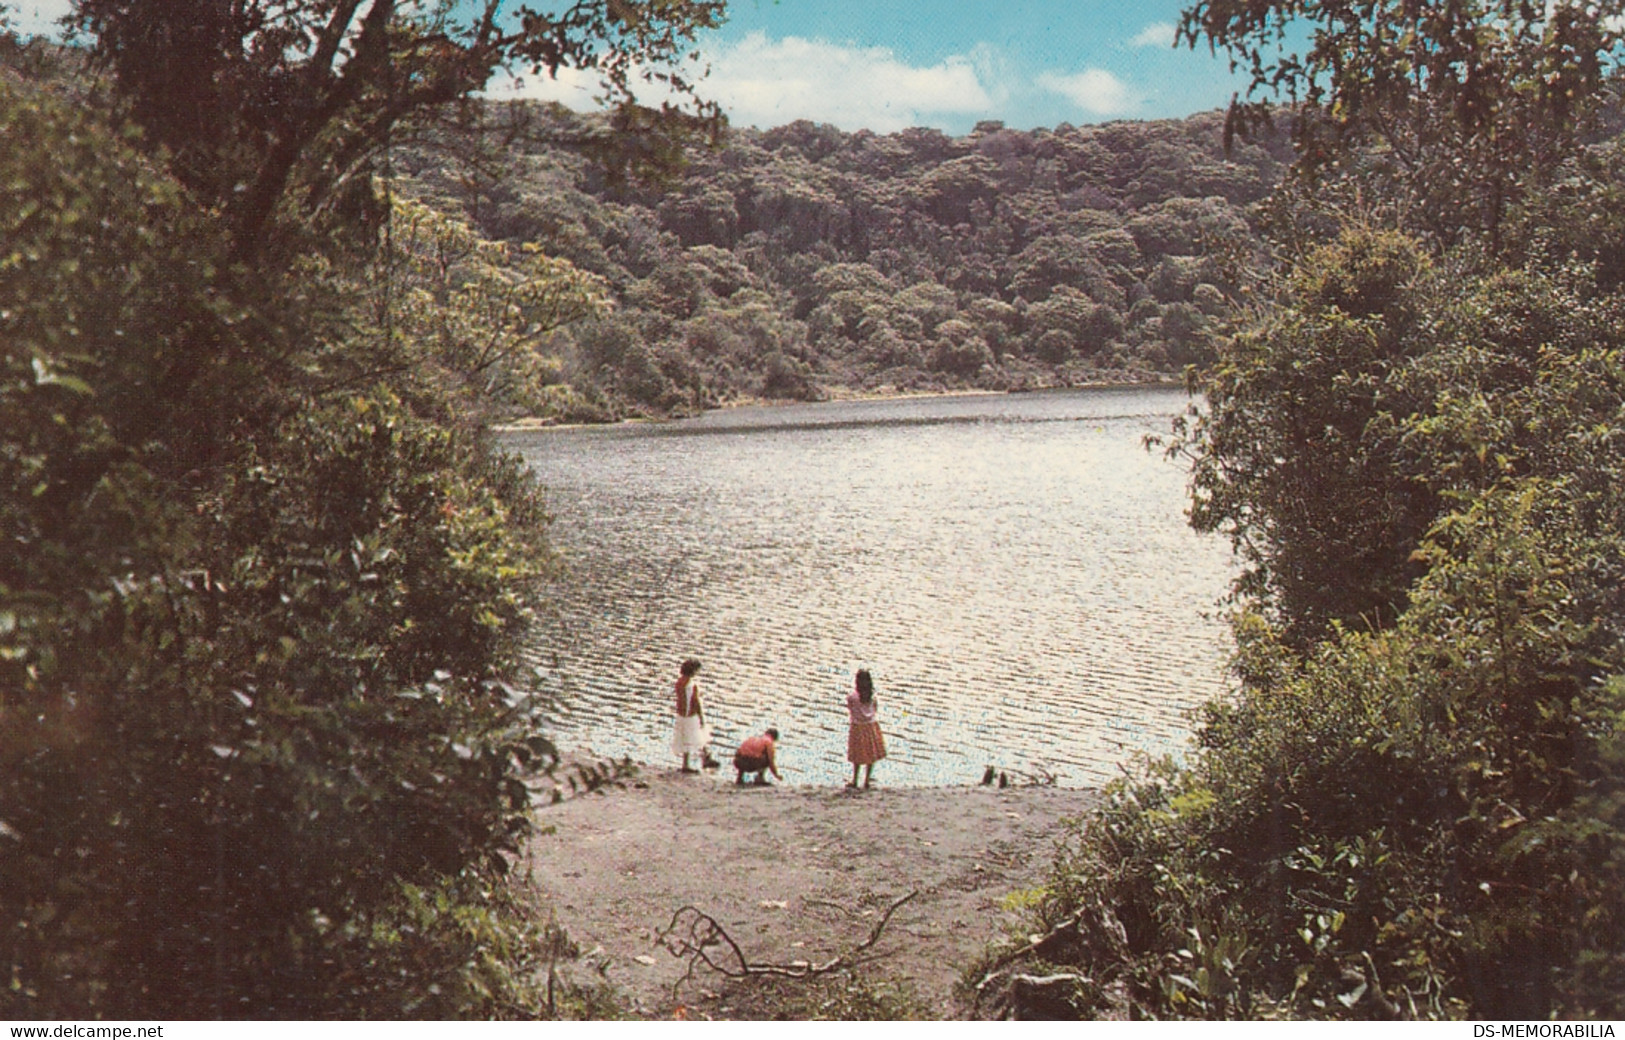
x,y
610,770
834,395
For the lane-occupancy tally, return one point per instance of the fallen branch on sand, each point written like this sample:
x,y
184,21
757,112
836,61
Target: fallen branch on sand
x,y
694,934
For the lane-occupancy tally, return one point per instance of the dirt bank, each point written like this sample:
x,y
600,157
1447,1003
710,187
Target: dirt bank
x,y
792,874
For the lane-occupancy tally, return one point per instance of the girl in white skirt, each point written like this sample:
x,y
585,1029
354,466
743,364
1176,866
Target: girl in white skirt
x,y
691,735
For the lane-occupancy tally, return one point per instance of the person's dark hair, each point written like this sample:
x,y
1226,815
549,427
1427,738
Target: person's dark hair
x,y
689,667
773,733
866,686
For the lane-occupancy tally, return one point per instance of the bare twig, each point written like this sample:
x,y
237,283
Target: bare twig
x,y
693,935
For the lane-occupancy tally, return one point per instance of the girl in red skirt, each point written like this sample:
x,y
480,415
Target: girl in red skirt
x,y
864,744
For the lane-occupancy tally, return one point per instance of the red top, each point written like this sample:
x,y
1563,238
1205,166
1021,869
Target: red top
x,y
756,747
688,702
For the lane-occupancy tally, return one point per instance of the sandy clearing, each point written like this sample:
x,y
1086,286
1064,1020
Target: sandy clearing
x,y
792,872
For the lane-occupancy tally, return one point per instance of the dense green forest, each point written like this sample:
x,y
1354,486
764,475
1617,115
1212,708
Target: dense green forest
x,y
800,261
262,574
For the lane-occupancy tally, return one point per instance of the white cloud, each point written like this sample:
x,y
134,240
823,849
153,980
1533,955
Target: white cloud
x,y
36,17
1096,91
1157,34
764,83
572,88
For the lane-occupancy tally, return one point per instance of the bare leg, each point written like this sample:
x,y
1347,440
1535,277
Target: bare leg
x,y
686,767
854,782
868,773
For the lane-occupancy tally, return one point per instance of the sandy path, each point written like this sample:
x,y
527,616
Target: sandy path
x,y
792,873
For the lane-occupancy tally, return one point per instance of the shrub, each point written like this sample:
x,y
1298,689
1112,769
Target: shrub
x,y
1424,819
252,637
1298,458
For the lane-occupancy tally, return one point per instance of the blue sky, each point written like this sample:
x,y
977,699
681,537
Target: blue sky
x,y
883,66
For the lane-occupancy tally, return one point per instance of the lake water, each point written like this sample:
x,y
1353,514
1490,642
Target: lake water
x,y
1016,572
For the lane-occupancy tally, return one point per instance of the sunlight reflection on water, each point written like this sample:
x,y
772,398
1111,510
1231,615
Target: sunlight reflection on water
x,y
1015,570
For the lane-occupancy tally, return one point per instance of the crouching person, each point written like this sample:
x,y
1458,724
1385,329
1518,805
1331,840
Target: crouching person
x,y
758,755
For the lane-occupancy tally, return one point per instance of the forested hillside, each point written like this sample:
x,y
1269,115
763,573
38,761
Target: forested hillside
x,y
792,262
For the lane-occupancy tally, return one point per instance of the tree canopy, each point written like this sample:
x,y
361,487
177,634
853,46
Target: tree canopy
x,y
1462,109
258,101
1072,255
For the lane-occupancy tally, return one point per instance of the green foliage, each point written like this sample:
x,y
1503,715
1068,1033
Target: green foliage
x,y
1379,382
256,755
108,305
262,103
1411,807
842,997
847,254
1417,823
1301,456
1457,112
467,317
1577,216
461,947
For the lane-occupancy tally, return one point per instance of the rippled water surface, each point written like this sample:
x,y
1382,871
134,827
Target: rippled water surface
x,y
1015,571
